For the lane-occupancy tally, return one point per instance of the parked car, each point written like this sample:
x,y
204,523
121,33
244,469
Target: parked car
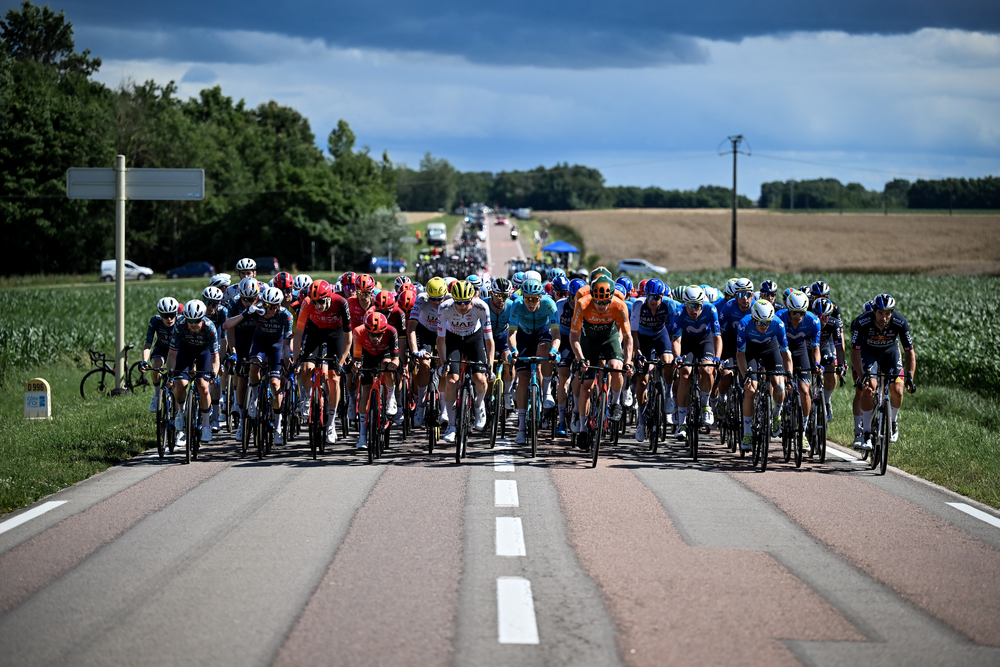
x,y
192,270
633,266
267,266
382,265
437,234
132,271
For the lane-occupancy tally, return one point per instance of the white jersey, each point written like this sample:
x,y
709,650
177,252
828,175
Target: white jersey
x,y
478,317
425,312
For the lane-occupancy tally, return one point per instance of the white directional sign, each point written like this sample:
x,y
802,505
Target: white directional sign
x,y
140,184
408,239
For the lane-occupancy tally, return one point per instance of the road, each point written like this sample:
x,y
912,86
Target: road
x,y
504,560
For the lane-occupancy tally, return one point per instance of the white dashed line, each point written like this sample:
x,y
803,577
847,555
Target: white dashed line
x,y
505,493
979,514
844,456
510,537
503,462
515,611
30,514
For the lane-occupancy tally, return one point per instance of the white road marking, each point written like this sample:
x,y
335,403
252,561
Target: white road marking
x,y
844,455
503,462
505,493
30,514
979,514
515,611
510,537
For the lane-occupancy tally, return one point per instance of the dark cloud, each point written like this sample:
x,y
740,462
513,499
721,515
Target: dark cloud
x,y
580,35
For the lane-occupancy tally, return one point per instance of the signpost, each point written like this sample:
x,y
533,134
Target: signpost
x,y
121,184
37,399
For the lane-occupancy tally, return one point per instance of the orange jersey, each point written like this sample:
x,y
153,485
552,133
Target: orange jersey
x,y
599,324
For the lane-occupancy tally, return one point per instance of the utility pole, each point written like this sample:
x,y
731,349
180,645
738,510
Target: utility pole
x,y
735,142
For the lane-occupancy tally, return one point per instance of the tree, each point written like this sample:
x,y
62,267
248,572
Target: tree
x,y
37,34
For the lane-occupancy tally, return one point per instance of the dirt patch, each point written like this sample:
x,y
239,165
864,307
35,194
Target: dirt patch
x,y
693,239
420,216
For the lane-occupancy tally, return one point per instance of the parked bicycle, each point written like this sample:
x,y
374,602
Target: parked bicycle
x,y
101,380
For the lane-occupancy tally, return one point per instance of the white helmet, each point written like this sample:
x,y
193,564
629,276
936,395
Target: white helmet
x,y
400,281
249,288
212,293
693,294
167,306
246,264
743,285
337,288
533,275
194,310
711,294
273,296
798,302
221,280
762,311
302,281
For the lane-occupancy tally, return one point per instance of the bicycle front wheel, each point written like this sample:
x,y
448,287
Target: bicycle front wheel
x,y
95,384
819,430
694,418
602,409
137,380
190,423
496,414
533,416
884,440
797,434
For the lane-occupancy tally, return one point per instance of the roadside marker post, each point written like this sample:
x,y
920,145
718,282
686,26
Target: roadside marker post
x,y
121,184
37,399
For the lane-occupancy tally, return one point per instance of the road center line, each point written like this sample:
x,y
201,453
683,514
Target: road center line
x,y
503,462
505,493
30,514
979,514
510,536
515,611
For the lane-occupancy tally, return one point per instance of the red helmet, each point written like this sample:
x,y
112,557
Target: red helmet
x,y
409,287
642,286
283,280
400,282
365,283
548,288
407,299
375,323
348,279
385,300
320,290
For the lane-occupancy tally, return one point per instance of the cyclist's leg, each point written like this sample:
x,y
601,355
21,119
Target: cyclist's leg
x,y
366,378
454,346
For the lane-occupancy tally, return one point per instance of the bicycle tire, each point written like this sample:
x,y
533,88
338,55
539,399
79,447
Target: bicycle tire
x,y
876,427
92,386
760,417
189,429
654,398
765,444
248,428
137,379
230,394
797,434
819,430
694,417
430,421
496,414
162,425
468,404
786,431
315,423
595,445
533,414
372,419
884,440
404,405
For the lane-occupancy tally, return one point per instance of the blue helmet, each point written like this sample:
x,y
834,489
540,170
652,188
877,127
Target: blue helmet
x,y
769,286
575,285
532,288
626,284
517,280
560,284
553,273
884,302
655,287
476,281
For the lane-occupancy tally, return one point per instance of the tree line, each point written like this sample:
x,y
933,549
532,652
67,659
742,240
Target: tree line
x,y
269,189
829,193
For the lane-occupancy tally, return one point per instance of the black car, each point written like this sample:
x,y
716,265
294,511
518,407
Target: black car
x,y
192,270
267,266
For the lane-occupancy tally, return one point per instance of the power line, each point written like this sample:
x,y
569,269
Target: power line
x,y
844,166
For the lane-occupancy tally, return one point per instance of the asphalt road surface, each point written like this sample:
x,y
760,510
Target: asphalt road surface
x,y
504,560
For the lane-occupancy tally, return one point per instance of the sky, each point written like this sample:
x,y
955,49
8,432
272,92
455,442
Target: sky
x,y
860,91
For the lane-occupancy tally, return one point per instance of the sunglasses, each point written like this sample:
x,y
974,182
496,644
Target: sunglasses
x,y
603,302
532,299
744,295
435,298
271,306
654,297
463,303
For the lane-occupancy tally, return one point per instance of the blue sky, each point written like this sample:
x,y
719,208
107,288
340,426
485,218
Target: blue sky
x,y
860,91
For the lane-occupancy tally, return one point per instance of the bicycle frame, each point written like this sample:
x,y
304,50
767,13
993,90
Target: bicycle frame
x,y
533,414
881,427
693,423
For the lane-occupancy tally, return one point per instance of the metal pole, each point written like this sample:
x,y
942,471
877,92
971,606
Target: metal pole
x,y
120,274
733,249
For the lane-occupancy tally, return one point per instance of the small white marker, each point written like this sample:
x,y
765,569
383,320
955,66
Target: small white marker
x,y
979,514
515,611
505,493
842,455
30,514
503,463
510,536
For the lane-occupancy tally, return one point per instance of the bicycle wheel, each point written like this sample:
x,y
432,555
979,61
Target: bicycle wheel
x,y
654,400
189,426
533,415
315,423
259,436
468,405
694,418
797,433
884,439
496,414
162,423
430,421
601,415
137,380
404,405
765,443
819,430
876,427
94,384
786,427
229,391
372,423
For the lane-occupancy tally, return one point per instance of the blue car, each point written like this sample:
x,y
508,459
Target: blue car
x,y
192,270
382,265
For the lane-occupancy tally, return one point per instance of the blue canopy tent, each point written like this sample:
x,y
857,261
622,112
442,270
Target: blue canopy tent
x,y
559,246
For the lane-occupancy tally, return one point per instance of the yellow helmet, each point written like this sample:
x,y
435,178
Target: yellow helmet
x,y
436,288
462,290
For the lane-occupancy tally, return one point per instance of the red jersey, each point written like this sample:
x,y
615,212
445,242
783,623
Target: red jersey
x,y
337,315
396,318
387,347
357,312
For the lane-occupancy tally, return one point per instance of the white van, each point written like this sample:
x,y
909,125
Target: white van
x,y
437,234
132,271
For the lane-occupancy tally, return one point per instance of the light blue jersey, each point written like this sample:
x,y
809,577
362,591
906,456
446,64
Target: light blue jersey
x,y
529,322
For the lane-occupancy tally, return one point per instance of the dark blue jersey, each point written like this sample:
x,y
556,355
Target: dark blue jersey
x,y
746,332
206,337
270,329
159,330
645,321
865,335
706,326
807,333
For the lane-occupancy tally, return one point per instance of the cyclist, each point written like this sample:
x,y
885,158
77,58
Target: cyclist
x,y
769,291
421,330
270,344
400,284
245,268
376,345
240,336
534,328
286,284
694,332
477,283
217,314
195,342
650,323
735,309
565,300
760,339
516,280
802,331
301,286
385,303
600,332
464,332
500,307
161,327
360,304
831,347
873,340
324,322
223,281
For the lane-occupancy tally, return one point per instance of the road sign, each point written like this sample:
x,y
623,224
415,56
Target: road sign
x,y
409,239
140,184
37,399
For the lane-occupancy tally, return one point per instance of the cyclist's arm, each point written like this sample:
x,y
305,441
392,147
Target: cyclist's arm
x,y
556,336
512,335
171,360
786,357
232,321
296,346
215,363
718,347
911,362
411,333
741,362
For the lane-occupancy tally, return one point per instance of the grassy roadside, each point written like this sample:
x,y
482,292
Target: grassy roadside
x,y
82,438
557,232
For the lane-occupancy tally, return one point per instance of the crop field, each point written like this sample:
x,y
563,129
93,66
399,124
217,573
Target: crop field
x,y
690,240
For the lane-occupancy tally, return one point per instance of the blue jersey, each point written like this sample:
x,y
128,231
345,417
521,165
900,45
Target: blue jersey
x,y
645,321
719,303
806,335
730,316
159,329
220,317
531,323
206,337
271,329
499,321
565,315
235,307
706,326
746,331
